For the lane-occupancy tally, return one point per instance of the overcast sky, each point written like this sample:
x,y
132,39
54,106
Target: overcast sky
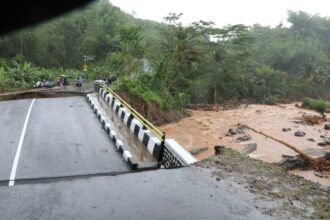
x,y
223,12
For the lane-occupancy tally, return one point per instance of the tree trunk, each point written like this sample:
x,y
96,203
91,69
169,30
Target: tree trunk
x,y
215,94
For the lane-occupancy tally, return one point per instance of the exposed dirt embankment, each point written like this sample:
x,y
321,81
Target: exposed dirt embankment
x,y
151,111
292,197
287,122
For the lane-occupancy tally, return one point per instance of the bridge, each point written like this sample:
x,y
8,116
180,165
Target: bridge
x,y
59,138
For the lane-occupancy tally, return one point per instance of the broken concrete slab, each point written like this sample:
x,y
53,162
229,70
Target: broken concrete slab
x,y
198,150
249,148
314,153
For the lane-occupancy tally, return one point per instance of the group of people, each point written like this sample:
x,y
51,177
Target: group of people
x,y
63,81
44,83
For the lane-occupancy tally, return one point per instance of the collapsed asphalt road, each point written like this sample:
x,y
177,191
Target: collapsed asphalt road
x,y
63,138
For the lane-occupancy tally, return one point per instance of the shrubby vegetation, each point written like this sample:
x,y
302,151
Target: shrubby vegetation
x,y
171,64
17,76
319,105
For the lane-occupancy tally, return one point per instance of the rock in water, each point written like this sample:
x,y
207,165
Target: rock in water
x,y
198,150
230,132
250,147
219,149
327,155
244,138
299,133
240,130
293,162
322,144
327,126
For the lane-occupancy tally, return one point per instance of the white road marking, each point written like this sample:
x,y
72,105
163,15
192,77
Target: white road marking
x,y
19,148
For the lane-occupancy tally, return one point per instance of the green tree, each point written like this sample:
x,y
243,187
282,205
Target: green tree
x,y
130,40
180,52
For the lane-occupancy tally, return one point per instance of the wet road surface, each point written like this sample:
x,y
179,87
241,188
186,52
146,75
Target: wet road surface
x,y
12,116
186,193
63,138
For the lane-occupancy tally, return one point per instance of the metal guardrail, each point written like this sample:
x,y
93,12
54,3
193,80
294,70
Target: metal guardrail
x,y
159,134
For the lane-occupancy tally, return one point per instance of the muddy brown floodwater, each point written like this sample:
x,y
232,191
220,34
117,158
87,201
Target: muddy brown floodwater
x,y
208,128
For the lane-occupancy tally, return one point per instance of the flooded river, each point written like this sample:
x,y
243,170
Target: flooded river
x,y
208,128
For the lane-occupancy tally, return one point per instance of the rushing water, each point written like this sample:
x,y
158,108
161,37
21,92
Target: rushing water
x,y
208,128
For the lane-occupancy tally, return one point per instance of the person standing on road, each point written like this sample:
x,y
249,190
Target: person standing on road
x,y
109,80
81,81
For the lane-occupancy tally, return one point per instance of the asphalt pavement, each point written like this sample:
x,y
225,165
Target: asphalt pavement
x,y
186,193
63,138
12,116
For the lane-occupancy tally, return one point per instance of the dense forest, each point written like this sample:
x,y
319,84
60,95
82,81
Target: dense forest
x,y
171,64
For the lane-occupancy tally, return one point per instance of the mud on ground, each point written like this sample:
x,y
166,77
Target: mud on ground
x,y
293,196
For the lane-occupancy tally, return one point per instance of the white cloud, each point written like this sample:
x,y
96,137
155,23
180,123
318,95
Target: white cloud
x,y
222,12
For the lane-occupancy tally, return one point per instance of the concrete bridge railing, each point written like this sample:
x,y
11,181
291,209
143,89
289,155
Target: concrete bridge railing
x,y
167,151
